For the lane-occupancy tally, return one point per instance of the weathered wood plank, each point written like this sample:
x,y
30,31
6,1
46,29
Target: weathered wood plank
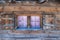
x,y
30,8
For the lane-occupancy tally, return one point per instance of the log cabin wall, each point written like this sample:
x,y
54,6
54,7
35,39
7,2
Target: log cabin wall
x,y
45,11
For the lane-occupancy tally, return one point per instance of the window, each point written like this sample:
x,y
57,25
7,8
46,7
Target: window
x,y
35,21
22,21
28,22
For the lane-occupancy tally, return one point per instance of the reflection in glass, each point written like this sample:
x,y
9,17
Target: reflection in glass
x,y
35,21
22,21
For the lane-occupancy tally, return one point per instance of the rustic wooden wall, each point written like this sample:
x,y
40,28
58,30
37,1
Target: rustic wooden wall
x,y
31,10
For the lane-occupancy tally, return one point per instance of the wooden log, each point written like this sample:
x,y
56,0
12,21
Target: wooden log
x,y
30,8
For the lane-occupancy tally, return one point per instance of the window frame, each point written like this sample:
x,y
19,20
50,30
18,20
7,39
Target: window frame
x,y
29,24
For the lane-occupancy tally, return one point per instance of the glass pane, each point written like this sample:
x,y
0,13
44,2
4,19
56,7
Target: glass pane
x,y
37,24
35,21
32,24
24,24
20,18
32,18
37,18
19,24
24,18
22,21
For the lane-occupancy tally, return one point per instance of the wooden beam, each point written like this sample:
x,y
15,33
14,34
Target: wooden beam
x,y
30,8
